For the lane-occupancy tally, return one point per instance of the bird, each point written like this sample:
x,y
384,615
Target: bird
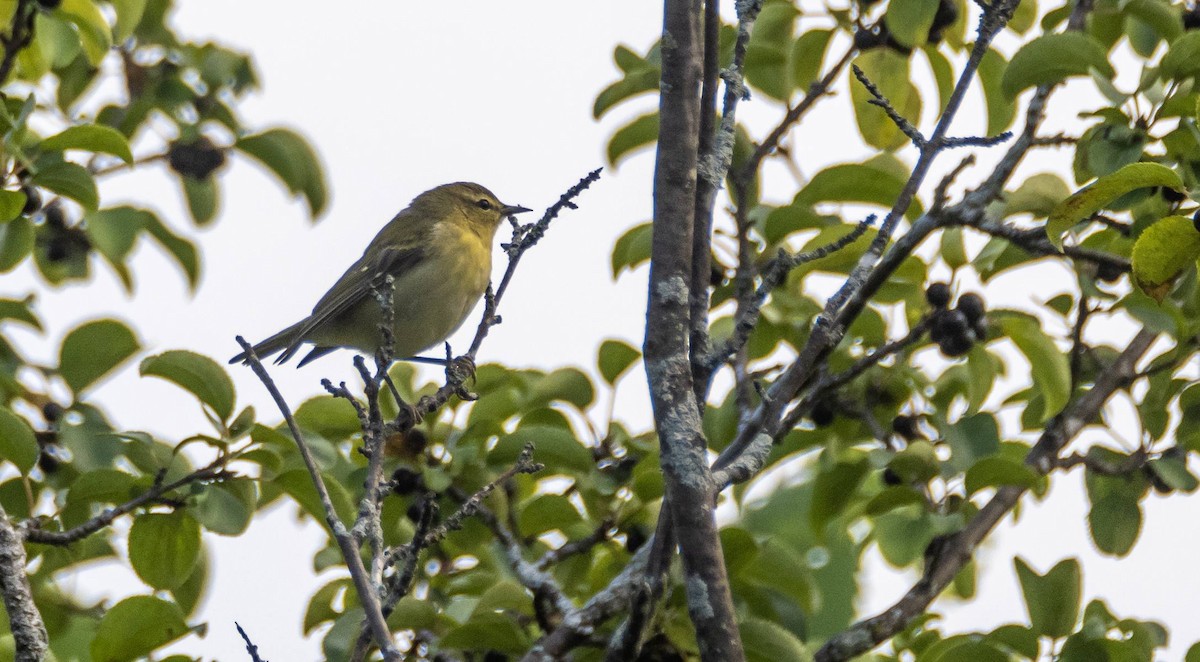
x,y
438,251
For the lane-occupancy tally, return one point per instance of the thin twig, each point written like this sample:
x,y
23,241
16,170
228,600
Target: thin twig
x,y
367,595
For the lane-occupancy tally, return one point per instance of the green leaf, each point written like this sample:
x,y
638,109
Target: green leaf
x,y
183,251
197,374
996,471
872,182
639,133
94,138
833,490
299,485
1163,19
1038,195
631,249
767,641
981,373
634,83
557,448
19,311
547,512
227,507
565,384
203,198
1024,16
163,548
1162,252
17,441
808,51
1174,472
909,20
293,161
889,71
332,418
1000,109
16,242
1052,599
1048,364
1115,522
614,359
93,350
71,180
93,28
135,627
1103,191
953,251
129,14
493,631
767,55
1182,60
1052,58
113,231
971,439
11,205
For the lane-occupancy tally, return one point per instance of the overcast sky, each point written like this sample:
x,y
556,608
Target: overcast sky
x,y
398,98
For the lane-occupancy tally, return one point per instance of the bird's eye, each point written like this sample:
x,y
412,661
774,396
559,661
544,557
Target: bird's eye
x,y
484,203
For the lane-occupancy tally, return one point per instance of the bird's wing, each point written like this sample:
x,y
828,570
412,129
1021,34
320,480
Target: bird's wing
x,y
353,286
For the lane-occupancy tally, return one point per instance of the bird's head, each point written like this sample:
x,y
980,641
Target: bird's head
x,y
480,207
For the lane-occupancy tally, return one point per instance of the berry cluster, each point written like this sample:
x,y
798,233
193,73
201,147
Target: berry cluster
x,y
956,330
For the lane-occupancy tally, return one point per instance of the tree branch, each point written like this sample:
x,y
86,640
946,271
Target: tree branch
x,y
30,640
958,548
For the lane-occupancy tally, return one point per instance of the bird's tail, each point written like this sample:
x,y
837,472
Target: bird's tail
x,y
280,341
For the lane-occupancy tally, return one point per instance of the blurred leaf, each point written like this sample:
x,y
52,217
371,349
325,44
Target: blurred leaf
x,y
632,248
1115,522
1053,58
641,132
909,20
94,349
767,641
767,63
195,373
615,357
16,242
293,161
808,51
1182,60
203,198
17,442
833,490
998,471
226,508
1162,252
1037,195
90,137
1000,108
1048,364
183,251
129,14
71,180
11,205
94,31
135,627
493,631
874,181
163,548
1052,599
889,71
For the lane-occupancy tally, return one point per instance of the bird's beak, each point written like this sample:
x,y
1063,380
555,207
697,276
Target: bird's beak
x,y
509,210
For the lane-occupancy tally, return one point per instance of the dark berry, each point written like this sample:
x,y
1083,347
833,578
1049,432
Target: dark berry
x,y
948,323
890,477
938,295
1196,220
865,40
979,328
197,159
635,537
49,5
58,249
33,199
972,306
494,656
54,217
906,426
1191,18
52,411
406,481
48,462
822,413
1172,195
1107,272
946,15
954,346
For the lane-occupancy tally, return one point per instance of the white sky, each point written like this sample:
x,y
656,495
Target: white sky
x,y
400,97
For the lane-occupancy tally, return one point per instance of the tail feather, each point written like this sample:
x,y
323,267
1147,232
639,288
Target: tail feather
x,y
284,340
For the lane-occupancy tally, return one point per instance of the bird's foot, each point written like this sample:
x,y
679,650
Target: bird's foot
x,y
458,372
